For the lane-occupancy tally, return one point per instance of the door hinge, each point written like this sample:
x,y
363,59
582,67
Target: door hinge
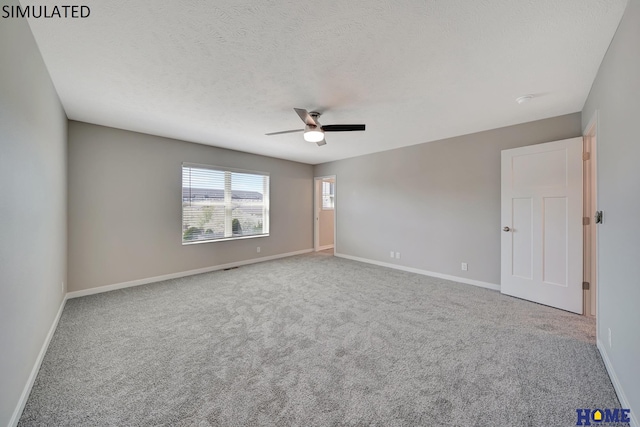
x,y
586,220
585,286
586,156
598,217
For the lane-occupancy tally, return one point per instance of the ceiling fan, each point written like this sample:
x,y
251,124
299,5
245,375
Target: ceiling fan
x,y
313,130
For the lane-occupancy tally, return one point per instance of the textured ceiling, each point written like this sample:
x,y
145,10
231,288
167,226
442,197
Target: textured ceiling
x,y
225,73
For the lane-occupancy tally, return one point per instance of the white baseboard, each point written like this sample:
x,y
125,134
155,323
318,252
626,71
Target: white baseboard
x,y
424,272
17,413
324,248
616,383
107,288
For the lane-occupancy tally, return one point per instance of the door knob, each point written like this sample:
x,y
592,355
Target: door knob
x,y
507,229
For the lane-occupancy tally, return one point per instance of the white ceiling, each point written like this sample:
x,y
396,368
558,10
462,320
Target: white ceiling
x,y
224,73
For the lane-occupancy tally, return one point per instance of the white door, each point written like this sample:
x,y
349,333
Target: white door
x,y
542,224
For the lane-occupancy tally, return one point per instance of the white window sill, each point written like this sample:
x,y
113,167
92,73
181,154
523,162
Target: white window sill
x,y
226,239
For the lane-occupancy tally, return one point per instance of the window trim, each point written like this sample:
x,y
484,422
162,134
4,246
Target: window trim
x,y
266,207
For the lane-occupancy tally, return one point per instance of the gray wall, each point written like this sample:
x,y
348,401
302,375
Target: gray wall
x,y
615,96
33,134
438,203
125,210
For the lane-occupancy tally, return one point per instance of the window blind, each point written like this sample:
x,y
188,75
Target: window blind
x,y
223,204
328,195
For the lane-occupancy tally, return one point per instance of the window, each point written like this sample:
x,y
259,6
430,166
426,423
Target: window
x,y
328,195
223,204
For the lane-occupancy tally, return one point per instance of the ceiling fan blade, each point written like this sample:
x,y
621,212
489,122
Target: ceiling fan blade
x,y
285,131
342,128
321,143
305,116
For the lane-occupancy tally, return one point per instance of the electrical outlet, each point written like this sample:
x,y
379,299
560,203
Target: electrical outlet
x,y
258,249
465,267
392,254
609,337
397,255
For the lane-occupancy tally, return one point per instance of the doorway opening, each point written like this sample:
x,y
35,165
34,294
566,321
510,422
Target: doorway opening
x,y
590,238
325,214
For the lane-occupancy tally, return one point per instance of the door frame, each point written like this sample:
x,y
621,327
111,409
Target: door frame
x,y
590,134
316,218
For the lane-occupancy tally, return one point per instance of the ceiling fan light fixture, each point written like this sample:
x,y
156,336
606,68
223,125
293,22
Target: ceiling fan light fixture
x,y
313,134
